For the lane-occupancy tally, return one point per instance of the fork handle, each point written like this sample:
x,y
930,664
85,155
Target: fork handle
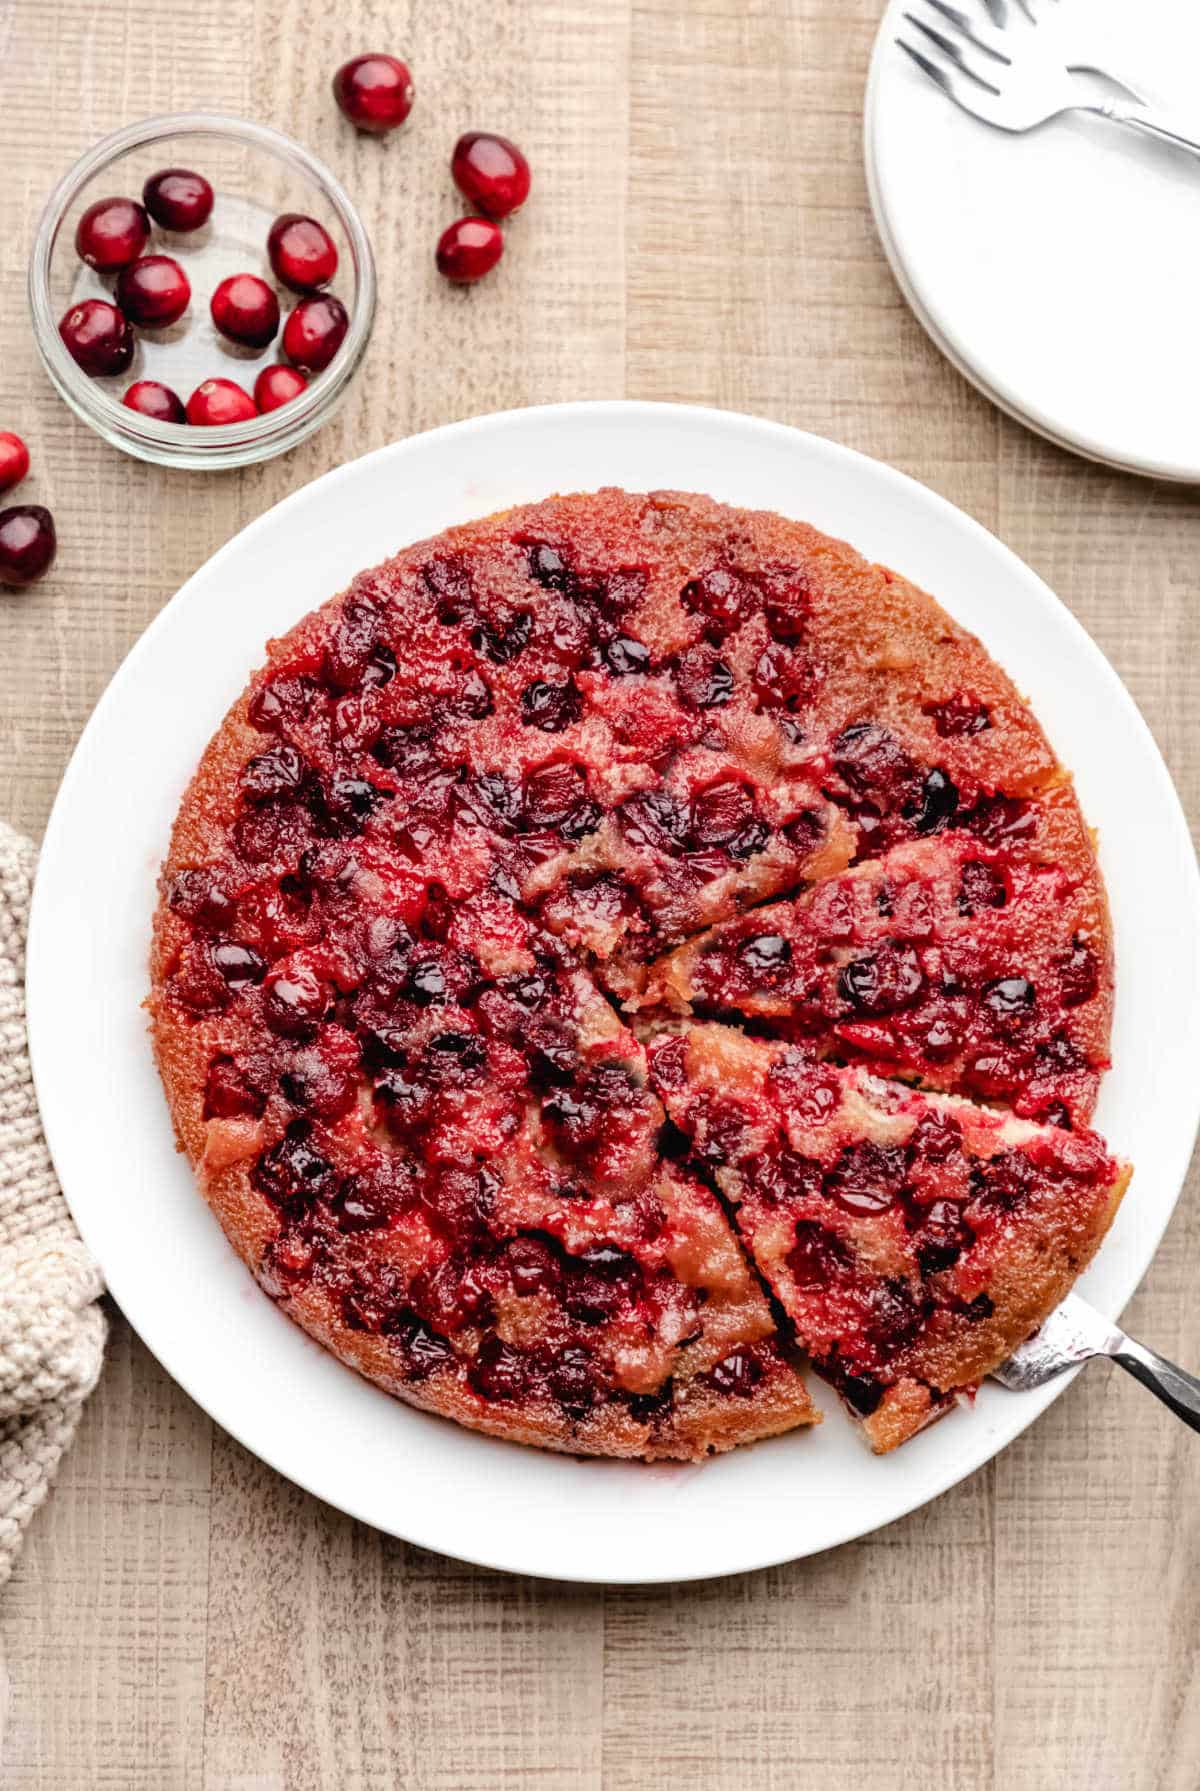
x,y
1151,122
1174,1386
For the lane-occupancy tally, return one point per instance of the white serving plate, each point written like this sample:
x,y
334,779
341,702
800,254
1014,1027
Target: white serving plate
x,y
1057,269
167,1262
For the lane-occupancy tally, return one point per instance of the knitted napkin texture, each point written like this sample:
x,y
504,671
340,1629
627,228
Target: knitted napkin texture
x,y
51,1329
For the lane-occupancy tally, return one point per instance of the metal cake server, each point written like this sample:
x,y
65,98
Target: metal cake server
x,y
1073,1332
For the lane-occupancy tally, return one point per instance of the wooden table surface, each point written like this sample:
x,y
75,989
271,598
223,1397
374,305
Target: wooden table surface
x,y
183,1619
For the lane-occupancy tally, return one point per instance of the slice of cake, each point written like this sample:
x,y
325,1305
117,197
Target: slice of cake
x,y
912,1239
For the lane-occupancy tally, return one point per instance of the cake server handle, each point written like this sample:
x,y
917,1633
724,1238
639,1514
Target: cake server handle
x,y
1075,1332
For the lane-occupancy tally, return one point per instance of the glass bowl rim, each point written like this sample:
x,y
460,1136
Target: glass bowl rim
x,y
225,444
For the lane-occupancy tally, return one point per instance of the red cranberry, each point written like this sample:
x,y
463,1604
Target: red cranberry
x,y
111,233
154,292
314,332
491,173
150,399
97,337
302,252
293,1001
246,310
469,249
217,401
178,199
27,543
14,460
277,385
375,92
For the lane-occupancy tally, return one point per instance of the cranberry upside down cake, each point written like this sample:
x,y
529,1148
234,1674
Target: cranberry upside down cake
x,y
628,945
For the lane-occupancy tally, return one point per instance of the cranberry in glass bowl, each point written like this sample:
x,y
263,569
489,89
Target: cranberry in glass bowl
x,y
257,176
220,401
246,310
302,252
153,291
111,233
97,337
178,199
151,399
278,385
314,332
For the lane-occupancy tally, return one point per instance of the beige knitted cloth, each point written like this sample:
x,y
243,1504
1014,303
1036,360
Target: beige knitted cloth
x,y
51,1330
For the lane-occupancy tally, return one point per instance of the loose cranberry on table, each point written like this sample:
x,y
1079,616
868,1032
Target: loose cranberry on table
x,y
151,399
375,92
27,543
178,199
491,173
278,385
302,252
218,401
246,310
153,291
469,249
14,460
112,233
97,336
315,331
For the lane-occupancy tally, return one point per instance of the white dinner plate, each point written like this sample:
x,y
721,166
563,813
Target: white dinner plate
x,y
167,1262
1057,270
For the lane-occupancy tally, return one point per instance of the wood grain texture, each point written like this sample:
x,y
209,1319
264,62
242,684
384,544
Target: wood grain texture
x,y
184,1620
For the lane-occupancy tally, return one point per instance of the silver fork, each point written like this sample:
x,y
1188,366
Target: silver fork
x,y
1073,1333
1016,80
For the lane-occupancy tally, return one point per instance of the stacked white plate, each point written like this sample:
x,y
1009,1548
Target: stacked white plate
x,y
1057,270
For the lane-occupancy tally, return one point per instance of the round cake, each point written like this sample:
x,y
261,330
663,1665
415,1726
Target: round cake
x,y
628,946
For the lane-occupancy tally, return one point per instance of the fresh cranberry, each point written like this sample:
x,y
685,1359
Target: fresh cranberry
x,y
150,399
277,385
218,401
375,92
27,543
154,291
314,332
302,252
468,249
246,310
111,233
490,173
97,336
14,460
178,199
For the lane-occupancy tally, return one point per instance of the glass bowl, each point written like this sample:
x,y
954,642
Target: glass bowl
x,y
256,174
